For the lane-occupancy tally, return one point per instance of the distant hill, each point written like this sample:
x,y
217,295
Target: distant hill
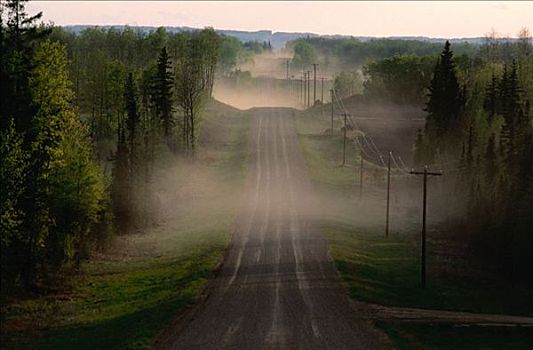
x,y
279,39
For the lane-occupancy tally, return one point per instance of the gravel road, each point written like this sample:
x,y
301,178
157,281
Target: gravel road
x,y
278,287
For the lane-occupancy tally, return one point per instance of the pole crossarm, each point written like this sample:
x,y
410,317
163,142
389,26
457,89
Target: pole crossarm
x,y
425,172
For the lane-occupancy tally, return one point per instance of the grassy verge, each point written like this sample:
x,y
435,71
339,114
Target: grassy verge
x,y
386,271
437,337
127,296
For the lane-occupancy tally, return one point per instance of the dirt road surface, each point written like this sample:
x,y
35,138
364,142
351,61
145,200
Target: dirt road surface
x,y
278,287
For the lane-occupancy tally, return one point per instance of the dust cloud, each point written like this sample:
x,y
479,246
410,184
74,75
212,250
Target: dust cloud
x,y
190,202
268,64
261,92
391,128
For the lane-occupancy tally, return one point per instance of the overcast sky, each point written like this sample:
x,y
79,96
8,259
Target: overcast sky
x,y
364,18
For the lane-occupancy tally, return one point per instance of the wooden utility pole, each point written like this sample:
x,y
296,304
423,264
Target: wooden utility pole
x,y
322,92
305,89
309,89
302,90
331,93
361,176
288,69
314,82
344,142
426,173
290,86
388,197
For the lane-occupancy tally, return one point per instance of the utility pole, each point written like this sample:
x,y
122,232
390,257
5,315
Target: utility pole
x,y
361,176
331,93
288,69
305,89
322,94
344,142
314,82
309,88
302,90
388,196
426,173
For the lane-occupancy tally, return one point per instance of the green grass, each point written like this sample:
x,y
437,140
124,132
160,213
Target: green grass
x,y
323,153
124,299
386,270
123,304
440,337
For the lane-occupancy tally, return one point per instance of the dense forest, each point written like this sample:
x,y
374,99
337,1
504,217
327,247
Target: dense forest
x,y
349,52
479,127
86,119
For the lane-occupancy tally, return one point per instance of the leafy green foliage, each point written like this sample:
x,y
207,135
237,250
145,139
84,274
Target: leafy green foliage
x,y
347,84
486,129
401,79
13,165
194,81
55,191
353,53
304,55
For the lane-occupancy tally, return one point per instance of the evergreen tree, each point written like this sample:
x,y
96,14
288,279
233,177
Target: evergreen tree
x,y
445,102
490,104
162,92
132,114
517,128
19,36
121,186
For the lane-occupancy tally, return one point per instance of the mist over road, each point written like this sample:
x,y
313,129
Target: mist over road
x,y
278,287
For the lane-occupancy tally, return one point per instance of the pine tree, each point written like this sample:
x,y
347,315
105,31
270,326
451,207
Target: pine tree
x,y
491,163
121,186
18,38
515,128
162,92
445,102
132,114
490,103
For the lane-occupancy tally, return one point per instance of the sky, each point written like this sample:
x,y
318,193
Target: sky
x,y
442,19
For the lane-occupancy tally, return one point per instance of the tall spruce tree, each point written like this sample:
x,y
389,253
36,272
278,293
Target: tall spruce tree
x,y
490,103
132,113
121,184
19,35
162,92
516,130
445,102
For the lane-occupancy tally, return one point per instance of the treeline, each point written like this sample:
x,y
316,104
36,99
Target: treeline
x,y
349,53
479,128
85,122
142,95
405,78
396,70
234,52
53,195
